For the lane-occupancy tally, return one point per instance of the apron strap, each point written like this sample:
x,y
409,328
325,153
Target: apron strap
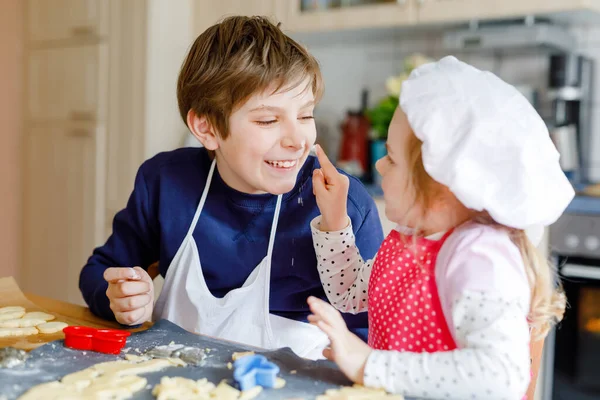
x,y
203,198
274,227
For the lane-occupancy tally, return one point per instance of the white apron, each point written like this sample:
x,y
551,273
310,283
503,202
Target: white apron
x,y
243,314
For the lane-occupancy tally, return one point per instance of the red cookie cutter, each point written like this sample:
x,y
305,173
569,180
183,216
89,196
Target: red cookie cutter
x,y
108,341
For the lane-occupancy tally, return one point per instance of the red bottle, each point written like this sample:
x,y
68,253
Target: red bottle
x,y
354,151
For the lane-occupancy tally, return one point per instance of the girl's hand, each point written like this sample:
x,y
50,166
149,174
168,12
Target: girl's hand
x,y
347,350
331,190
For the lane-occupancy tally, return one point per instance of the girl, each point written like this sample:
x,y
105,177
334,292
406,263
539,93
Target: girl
x,y
455,289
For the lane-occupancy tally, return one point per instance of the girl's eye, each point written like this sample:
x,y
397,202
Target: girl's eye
x,y
308,117
390,159
266,122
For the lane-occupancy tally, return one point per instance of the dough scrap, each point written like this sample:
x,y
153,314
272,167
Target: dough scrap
x,y
21,323
80,379
250,393
358,392
52,327
114,380
50,391
238,355
279,383
122,368
225,392
119,387
182,388
10,332
136,358
38,315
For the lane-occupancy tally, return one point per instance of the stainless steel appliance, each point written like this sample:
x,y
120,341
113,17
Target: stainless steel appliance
x,y
570,86
572,351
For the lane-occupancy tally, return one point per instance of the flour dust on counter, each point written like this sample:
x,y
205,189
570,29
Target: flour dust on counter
x,y
53,362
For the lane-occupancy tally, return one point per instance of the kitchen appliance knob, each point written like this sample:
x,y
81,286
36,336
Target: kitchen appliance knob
x,y
592,243
572,241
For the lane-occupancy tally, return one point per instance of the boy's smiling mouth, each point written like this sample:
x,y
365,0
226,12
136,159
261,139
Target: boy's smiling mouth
x,y
282,164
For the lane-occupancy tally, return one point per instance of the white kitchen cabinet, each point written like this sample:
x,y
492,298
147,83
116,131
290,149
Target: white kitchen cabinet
x,y
51,20
440,11
208,13
83,138
62,189
67,83
390,13
401,13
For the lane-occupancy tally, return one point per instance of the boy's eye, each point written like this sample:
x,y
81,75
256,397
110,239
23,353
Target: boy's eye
x,y
266,122
389,159
307,117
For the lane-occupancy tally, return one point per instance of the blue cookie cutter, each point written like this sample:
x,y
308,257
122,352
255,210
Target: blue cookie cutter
x,y
253,370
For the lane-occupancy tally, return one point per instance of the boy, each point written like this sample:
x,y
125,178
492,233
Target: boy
x,y
229,223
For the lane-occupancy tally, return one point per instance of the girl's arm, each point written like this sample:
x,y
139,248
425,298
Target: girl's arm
x,y
344,274
485,297
491,362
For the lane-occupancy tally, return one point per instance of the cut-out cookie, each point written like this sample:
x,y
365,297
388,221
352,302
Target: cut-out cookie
x,y
10,309
38,315
9,332
21,323
52,327
358,392
11,315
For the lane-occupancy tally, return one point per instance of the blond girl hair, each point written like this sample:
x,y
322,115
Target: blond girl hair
x,y
548,300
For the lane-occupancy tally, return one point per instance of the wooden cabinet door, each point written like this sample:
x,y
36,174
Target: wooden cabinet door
x,y
208,13
385,14
434,11
63,185
51,20
431,11
67,83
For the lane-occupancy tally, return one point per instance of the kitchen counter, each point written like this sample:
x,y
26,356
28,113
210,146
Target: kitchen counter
x,y
76,312
72,314
83,316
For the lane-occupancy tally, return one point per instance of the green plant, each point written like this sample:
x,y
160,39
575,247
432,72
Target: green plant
x,y
381,115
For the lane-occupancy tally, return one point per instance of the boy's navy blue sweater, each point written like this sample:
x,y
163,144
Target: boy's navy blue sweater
x,y
232,234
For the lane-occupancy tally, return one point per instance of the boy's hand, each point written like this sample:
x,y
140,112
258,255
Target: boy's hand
x,y
131,294
331,190
347,350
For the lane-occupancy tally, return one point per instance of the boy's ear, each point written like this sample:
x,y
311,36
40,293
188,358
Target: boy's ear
x,y
203,130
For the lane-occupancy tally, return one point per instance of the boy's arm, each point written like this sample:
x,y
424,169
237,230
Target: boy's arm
x,y
133,242
344,274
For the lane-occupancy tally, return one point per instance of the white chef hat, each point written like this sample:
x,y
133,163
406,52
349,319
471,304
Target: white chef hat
x,y
486,143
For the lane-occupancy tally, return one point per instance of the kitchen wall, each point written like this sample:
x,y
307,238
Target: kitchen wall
x,y
353,61
11,69
170,33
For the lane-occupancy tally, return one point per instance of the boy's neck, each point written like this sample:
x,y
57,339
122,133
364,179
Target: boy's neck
x,y
234,181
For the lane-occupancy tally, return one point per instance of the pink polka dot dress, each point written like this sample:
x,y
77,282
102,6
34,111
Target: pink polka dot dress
x,y
448,313
405,313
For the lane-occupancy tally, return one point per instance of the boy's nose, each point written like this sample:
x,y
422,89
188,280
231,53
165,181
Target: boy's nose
x,y
293,137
